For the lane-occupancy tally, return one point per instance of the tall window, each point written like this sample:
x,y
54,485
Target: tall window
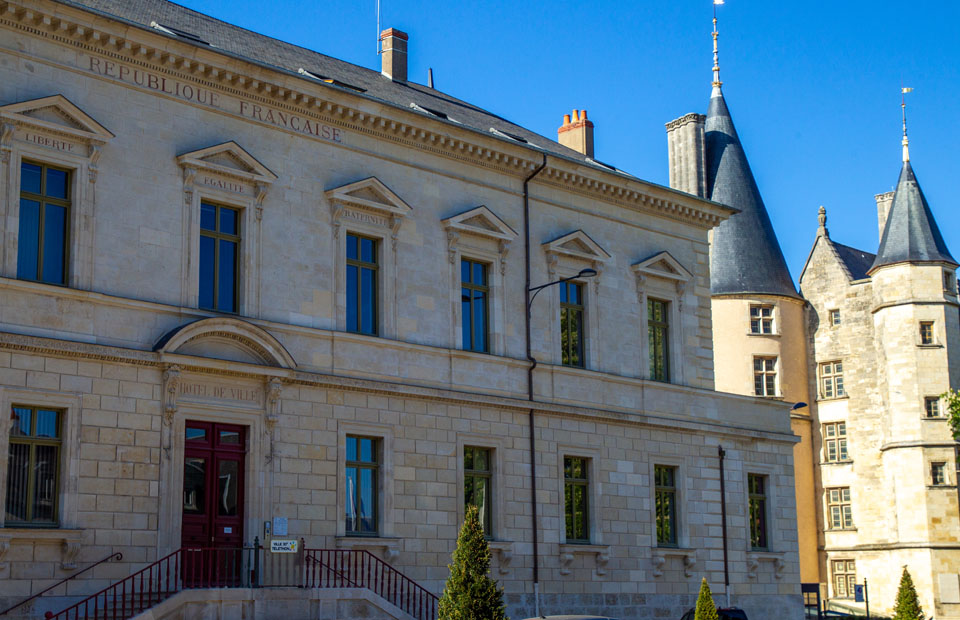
x,y
42,252
926,332
474,293
362,284
33,469
575,493
838,505
831,380
362,471
765,376
476,483
761,319
571,324
758,511
835,441
938,474
219,257
665,479
658,338
931,405
844,578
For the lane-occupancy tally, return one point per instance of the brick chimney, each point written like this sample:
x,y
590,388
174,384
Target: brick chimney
x,y
577,133
883,209
393,54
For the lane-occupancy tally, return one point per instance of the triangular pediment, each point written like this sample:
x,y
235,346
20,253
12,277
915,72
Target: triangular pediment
x,y
370,194
481,221
56,113
578,244
662,265
228,158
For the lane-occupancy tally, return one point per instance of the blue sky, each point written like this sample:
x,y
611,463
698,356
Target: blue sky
x,y
814,87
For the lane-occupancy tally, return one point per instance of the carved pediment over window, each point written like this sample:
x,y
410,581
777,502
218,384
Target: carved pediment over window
x,y
577,246
227,168
665,267
479,222
56,124
368,203
226,339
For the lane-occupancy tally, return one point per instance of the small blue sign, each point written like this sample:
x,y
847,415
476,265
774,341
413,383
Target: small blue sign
x,y
858,593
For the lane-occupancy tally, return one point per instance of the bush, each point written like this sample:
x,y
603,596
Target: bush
x,y
706,610
908,605
470,594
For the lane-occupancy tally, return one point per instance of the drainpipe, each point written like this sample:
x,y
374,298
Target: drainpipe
x,y
723,517
533,364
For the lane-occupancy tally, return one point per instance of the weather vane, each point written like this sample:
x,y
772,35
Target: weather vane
x,y
716,56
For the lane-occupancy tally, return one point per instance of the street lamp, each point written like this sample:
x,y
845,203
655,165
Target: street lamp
x,y
584,273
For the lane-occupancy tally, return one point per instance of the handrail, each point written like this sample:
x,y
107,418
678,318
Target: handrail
x,y
370,572
117,555
309,576
122,584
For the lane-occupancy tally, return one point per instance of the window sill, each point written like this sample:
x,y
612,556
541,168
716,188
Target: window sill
x,y
774,335
846,462
822,399
390,546
840,529
929,346
69,540
931,487
660,555
938,418
570,549
772,397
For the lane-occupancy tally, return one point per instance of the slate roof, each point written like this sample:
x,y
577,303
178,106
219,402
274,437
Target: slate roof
x,y
857,261
910,233
745,256
290,58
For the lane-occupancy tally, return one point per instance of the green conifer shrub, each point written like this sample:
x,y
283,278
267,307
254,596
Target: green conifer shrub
x,y
470,593
705,609
908,605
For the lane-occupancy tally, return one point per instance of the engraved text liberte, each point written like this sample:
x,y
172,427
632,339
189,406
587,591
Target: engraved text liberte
x,y
207,97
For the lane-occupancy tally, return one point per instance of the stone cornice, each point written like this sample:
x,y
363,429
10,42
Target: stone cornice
x,y
219,69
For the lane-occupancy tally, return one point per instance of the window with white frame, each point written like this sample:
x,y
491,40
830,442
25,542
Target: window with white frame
x,y
761,319
831,380
835,442
839,508
765,376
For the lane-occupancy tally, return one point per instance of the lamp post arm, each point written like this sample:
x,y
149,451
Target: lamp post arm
x,y
536,289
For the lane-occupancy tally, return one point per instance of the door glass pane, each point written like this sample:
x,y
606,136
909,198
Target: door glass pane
x,y
17,474
227,278
56,183
194,485
30,178
45,483
227,483
230,437
21,422
28,251
207,270
54,243
367,507
196,434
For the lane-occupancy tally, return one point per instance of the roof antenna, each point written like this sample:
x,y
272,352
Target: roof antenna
x,y
379,51
716,56
430,77
903,106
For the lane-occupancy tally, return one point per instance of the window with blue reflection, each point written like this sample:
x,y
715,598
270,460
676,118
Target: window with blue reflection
x,y
474,292
361,490
42,244
362,267
219,258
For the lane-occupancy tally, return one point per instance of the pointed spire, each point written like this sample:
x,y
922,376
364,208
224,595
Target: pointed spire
x,y
910,234
903,107
716,55
822,219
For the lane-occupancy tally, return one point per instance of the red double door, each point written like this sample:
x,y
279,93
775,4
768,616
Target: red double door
x,y
213,467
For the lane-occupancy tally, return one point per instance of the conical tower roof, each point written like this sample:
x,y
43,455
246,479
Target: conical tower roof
x,y
910,233
745,256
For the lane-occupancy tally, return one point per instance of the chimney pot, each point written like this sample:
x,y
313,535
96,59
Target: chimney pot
x,y
393,54
577,132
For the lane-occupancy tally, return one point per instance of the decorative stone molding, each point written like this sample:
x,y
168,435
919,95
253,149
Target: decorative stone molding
x,y
390,547
231,168
665,267
755,558
274,388
171,384
752,565
479,222
71,549
660,555
569,551
579,248
257,343
504,551
778,566
4,549
368,202
68,539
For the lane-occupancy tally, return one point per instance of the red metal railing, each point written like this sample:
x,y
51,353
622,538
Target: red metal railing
x,y
113,556
358,568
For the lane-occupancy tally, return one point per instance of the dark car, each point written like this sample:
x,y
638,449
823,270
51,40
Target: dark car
x,y
725,613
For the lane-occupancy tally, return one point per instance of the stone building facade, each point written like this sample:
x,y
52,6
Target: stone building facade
x,y
259,262
864,352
